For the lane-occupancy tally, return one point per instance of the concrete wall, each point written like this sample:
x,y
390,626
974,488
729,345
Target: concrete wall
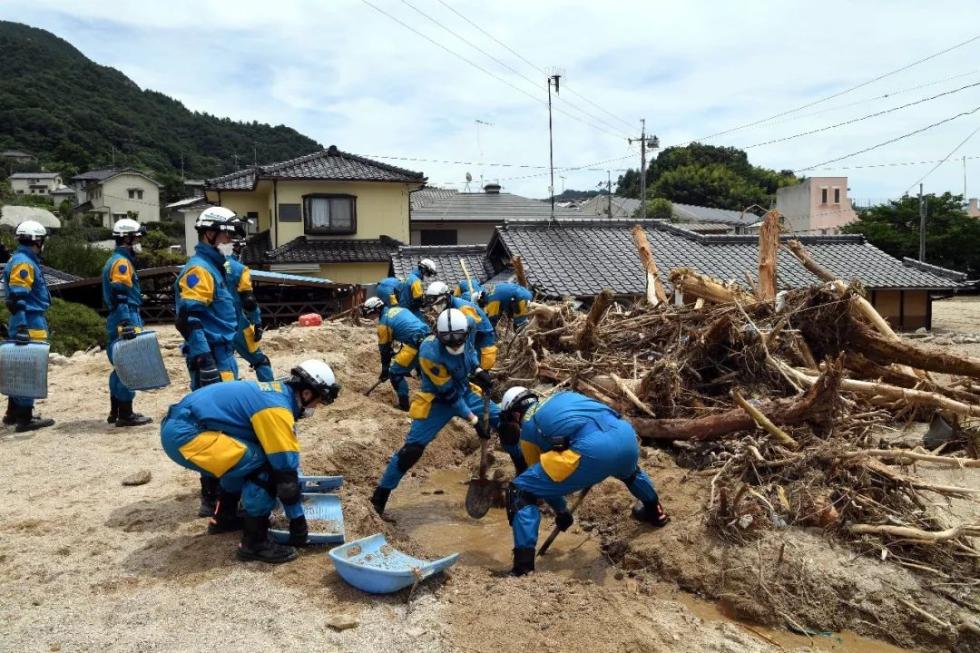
x,y
467,233
806,212
111,198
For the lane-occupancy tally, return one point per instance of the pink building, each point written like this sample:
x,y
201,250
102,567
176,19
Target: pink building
x,y
818,206
972,209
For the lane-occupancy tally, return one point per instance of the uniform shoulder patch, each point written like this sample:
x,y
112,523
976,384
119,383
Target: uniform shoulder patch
x,y
193,280
24,273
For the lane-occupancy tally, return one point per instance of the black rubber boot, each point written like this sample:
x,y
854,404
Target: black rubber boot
x,y
225,518
651,513
128,418
10,417
28,421
523,561
256,544
404,403
113,410
209,496
380,499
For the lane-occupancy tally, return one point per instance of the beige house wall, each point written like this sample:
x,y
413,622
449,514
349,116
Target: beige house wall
x,y
23,186
805,211
111,197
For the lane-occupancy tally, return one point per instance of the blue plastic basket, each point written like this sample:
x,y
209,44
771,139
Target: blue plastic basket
x,y
139,363
374,566
314,484
24,369
321,507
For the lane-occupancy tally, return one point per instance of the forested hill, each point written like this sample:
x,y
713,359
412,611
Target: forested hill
x,y
70,112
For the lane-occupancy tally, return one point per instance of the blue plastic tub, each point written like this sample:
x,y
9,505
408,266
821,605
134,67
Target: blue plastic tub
x,y
24,369
315,484
324,508
374,566
139,363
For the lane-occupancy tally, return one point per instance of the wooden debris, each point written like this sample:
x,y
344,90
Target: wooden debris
x,y
518,264
768,255
759,418
655,288
797,249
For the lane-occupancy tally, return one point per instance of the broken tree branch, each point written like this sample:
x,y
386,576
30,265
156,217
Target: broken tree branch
x,y
768,253
518,264
633,398
656,294
797,249
763,421
909,533
907,456
585,339
690,283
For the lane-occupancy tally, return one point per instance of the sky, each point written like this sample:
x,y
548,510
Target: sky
x,y
402,79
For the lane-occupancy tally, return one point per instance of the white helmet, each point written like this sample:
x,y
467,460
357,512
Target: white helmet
x,y
31,230
317,376
127,227
372,305
514,398
428,267
218,218
452,329
437,293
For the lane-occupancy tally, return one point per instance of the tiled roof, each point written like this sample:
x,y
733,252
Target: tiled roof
x,y
34,175
330,164
446,257
580,259
438,205
95,175
693,213
304,250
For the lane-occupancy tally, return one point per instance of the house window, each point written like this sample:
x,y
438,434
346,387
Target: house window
x,y
836,195
290,213
330,214
252,226
139,194
438,237
132,193
823,195
119,216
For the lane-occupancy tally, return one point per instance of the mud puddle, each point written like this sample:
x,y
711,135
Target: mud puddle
x,y
431,510
838,642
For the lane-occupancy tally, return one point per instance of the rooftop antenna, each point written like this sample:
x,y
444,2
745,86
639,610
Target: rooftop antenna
x,y
479,144
469,178
553,79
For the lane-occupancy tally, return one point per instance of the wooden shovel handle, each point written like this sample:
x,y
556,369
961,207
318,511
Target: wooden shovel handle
x,y
554,533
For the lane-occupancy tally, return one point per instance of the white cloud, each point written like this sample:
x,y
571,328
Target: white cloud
x,y
343,73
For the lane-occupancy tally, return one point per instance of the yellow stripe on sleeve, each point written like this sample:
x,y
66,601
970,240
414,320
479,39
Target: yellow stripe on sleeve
x,y
121,272
22,275
417,290
384,334
531,451
472,312
274,429
196,284
245,283
492,309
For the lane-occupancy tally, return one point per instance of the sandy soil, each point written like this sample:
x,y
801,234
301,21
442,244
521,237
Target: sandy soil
x,y
87,564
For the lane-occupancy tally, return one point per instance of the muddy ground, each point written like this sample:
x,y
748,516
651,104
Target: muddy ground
x,y
87,564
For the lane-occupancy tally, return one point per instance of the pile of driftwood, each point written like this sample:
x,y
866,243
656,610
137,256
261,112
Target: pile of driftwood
x,y
782,400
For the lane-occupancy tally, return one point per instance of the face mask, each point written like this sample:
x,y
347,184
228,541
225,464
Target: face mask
x,y
226,249
137,248
456,351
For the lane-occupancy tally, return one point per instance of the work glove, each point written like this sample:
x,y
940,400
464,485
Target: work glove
x,y
510,432
563,520
482,431
257,332
207,370
385,374
287,486
126,330
482,379
15,306
23,336
298,531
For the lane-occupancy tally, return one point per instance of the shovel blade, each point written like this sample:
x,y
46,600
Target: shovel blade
x,y
479,497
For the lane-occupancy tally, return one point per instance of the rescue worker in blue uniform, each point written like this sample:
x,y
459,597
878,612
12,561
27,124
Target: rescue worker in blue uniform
x,y
206,315
484,336
449,376
27,299
570,442
243,433
388,290
249,332
511,299
397,325
412,293
122,297
468,289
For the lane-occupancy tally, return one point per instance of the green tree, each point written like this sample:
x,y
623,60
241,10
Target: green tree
x,y
73,327
660,209
951,235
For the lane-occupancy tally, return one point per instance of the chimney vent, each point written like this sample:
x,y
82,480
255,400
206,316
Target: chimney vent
x,y
492,189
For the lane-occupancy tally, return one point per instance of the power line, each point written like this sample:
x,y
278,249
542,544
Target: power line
x,y
530,63
482,69
942,161
893,164
854,120
892,140
844,92
504,64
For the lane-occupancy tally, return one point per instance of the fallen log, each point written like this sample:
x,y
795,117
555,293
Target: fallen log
x,y
585,339
909,533
869,369
768,255
690,283
885,350
797,249
907,456
764,422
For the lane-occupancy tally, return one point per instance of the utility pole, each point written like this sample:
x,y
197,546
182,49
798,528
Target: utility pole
x,y
551,143
654,143
609,193
964,178
922,227
236,162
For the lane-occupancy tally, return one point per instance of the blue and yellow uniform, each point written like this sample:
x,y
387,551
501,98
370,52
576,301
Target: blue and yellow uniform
x,y
398,324
483,335
122,296
571,442
27,299
462,289
239,279
511,299
412,293
238,432
445,393
388,290
206,315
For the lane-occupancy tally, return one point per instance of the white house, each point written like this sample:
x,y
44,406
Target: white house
x,y
34,183
116,194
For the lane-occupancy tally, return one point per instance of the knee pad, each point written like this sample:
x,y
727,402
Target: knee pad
x,y
518,499
408,455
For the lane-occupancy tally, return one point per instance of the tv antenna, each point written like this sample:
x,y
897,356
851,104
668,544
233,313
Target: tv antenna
x,y
469,178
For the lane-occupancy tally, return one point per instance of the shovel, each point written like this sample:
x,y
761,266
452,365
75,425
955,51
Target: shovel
x,y
554,533
480,494
371,389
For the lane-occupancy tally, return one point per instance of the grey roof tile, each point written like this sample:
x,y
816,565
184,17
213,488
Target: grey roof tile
x,y
446,257
330,164
303,250
441,205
